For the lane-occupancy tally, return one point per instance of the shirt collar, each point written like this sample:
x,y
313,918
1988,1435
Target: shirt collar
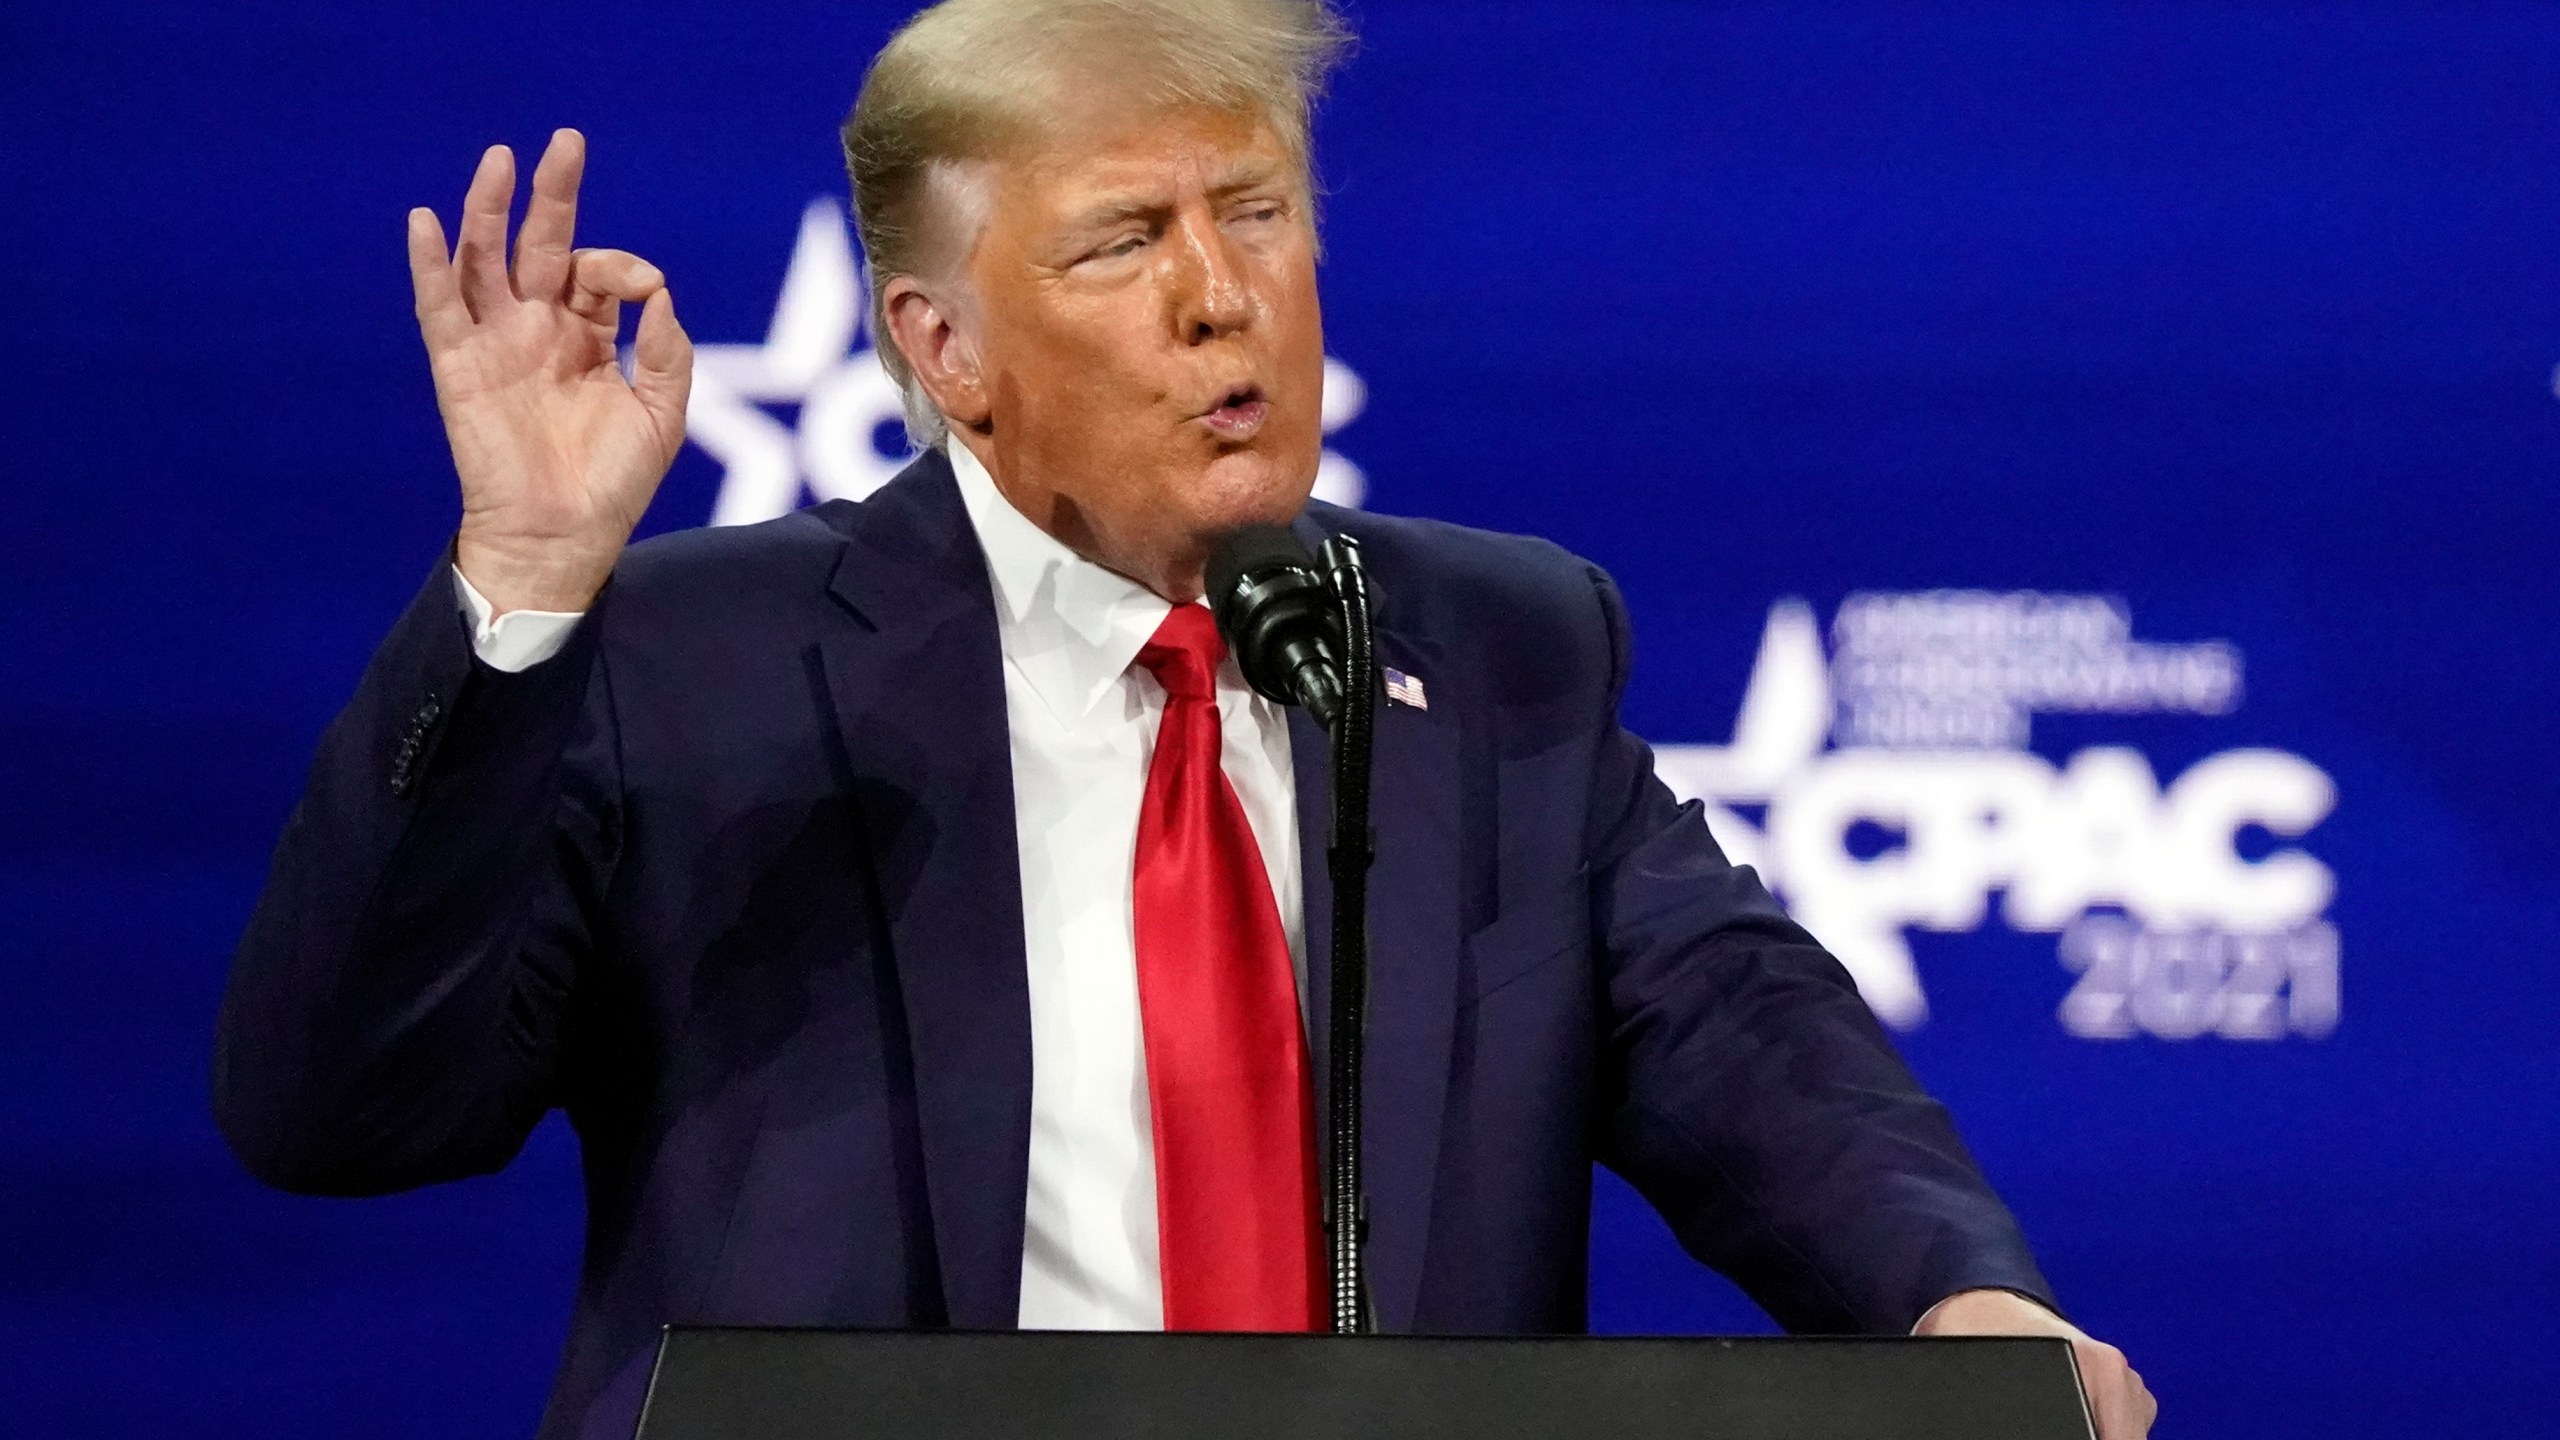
x,y
1070,626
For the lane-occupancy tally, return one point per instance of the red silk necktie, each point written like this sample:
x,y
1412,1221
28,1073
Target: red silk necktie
x,y
1226,1060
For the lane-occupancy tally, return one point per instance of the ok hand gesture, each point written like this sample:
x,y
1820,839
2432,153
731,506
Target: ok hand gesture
x,y
557,452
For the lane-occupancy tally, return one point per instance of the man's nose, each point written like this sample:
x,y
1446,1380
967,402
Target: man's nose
x,y
1214,297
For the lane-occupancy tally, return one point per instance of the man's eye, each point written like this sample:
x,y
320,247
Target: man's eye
x,y
1125,245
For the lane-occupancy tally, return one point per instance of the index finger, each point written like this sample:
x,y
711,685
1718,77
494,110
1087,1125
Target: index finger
x,y
550,217
442,317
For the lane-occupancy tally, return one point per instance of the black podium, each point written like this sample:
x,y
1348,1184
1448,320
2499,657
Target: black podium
x,y
758,1384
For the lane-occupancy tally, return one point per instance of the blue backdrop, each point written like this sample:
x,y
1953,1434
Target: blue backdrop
x,y
2111,446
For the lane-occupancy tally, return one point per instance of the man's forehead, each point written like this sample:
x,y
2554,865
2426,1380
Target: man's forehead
x,y
1093,170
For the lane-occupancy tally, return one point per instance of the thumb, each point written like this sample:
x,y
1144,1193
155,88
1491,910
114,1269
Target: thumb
x,y
662,367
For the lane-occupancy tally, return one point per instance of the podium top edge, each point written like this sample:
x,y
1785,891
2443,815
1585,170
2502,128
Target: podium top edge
x,y
1126,1337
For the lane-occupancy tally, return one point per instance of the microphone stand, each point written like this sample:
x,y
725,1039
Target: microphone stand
x,y
1349,851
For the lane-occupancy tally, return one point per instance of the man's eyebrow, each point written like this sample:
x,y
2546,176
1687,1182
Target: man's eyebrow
x,y
1246,175
1115,210
1106,213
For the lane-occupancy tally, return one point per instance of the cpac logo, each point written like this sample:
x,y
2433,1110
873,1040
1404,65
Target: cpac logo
x,y
1932,802
848,441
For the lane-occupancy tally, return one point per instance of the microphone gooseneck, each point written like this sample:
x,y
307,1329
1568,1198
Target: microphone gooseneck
x,y
1350,850
1279,619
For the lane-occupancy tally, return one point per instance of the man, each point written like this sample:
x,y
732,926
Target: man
x,y
908,903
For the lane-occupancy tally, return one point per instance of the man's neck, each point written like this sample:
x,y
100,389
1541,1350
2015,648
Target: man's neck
x,y
1062,520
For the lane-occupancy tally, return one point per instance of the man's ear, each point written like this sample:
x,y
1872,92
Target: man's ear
x,y
945,360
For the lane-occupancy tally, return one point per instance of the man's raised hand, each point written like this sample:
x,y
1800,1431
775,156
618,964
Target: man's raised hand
x,y
557,452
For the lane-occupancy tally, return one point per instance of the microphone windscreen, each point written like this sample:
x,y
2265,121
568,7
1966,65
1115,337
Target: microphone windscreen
x,y
1247,552
1277,616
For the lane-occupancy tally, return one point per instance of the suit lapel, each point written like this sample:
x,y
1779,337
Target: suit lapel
x,y
915,673
1413,955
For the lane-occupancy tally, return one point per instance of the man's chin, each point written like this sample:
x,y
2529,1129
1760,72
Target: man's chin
x,y
1248,487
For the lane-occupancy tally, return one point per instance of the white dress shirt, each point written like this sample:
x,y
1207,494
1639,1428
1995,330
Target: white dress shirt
x,y
1082,718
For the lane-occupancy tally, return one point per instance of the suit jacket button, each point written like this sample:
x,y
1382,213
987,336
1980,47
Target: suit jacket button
x,y
404,761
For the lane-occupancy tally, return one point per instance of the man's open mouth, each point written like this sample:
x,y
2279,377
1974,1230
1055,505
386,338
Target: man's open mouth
x,y
1238,414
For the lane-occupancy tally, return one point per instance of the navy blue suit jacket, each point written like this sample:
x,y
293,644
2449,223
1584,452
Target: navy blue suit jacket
x,y
733,882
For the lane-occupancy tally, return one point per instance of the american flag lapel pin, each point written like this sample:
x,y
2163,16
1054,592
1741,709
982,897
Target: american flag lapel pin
x,y
1403,689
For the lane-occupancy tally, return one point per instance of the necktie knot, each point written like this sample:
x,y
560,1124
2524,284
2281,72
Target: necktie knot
x,y
1184,653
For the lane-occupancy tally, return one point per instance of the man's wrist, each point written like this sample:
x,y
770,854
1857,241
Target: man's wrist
x,y
515,575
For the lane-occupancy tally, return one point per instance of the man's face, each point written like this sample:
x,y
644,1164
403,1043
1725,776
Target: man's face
x,y
1147,336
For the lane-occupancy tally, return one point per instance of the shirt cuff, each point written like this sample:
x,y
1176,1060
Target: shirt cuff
x,y
517,640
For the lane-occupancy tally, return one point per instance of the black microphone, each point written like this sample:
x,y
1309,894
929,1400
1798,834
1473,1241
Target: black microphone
x,y
1279,619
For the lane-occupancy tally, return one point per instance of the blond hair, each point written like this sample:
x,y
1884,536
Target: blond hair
x,y
966,80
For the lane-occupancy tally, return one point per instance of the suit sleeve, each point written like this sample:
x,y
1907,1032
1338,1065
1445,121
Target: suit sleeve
x,y
1747,1090
395,1012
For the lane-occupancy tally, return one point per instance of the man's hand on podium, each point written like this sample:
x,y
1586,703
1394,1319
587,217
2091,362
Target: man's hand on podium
x,y
558,454
2119,1402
